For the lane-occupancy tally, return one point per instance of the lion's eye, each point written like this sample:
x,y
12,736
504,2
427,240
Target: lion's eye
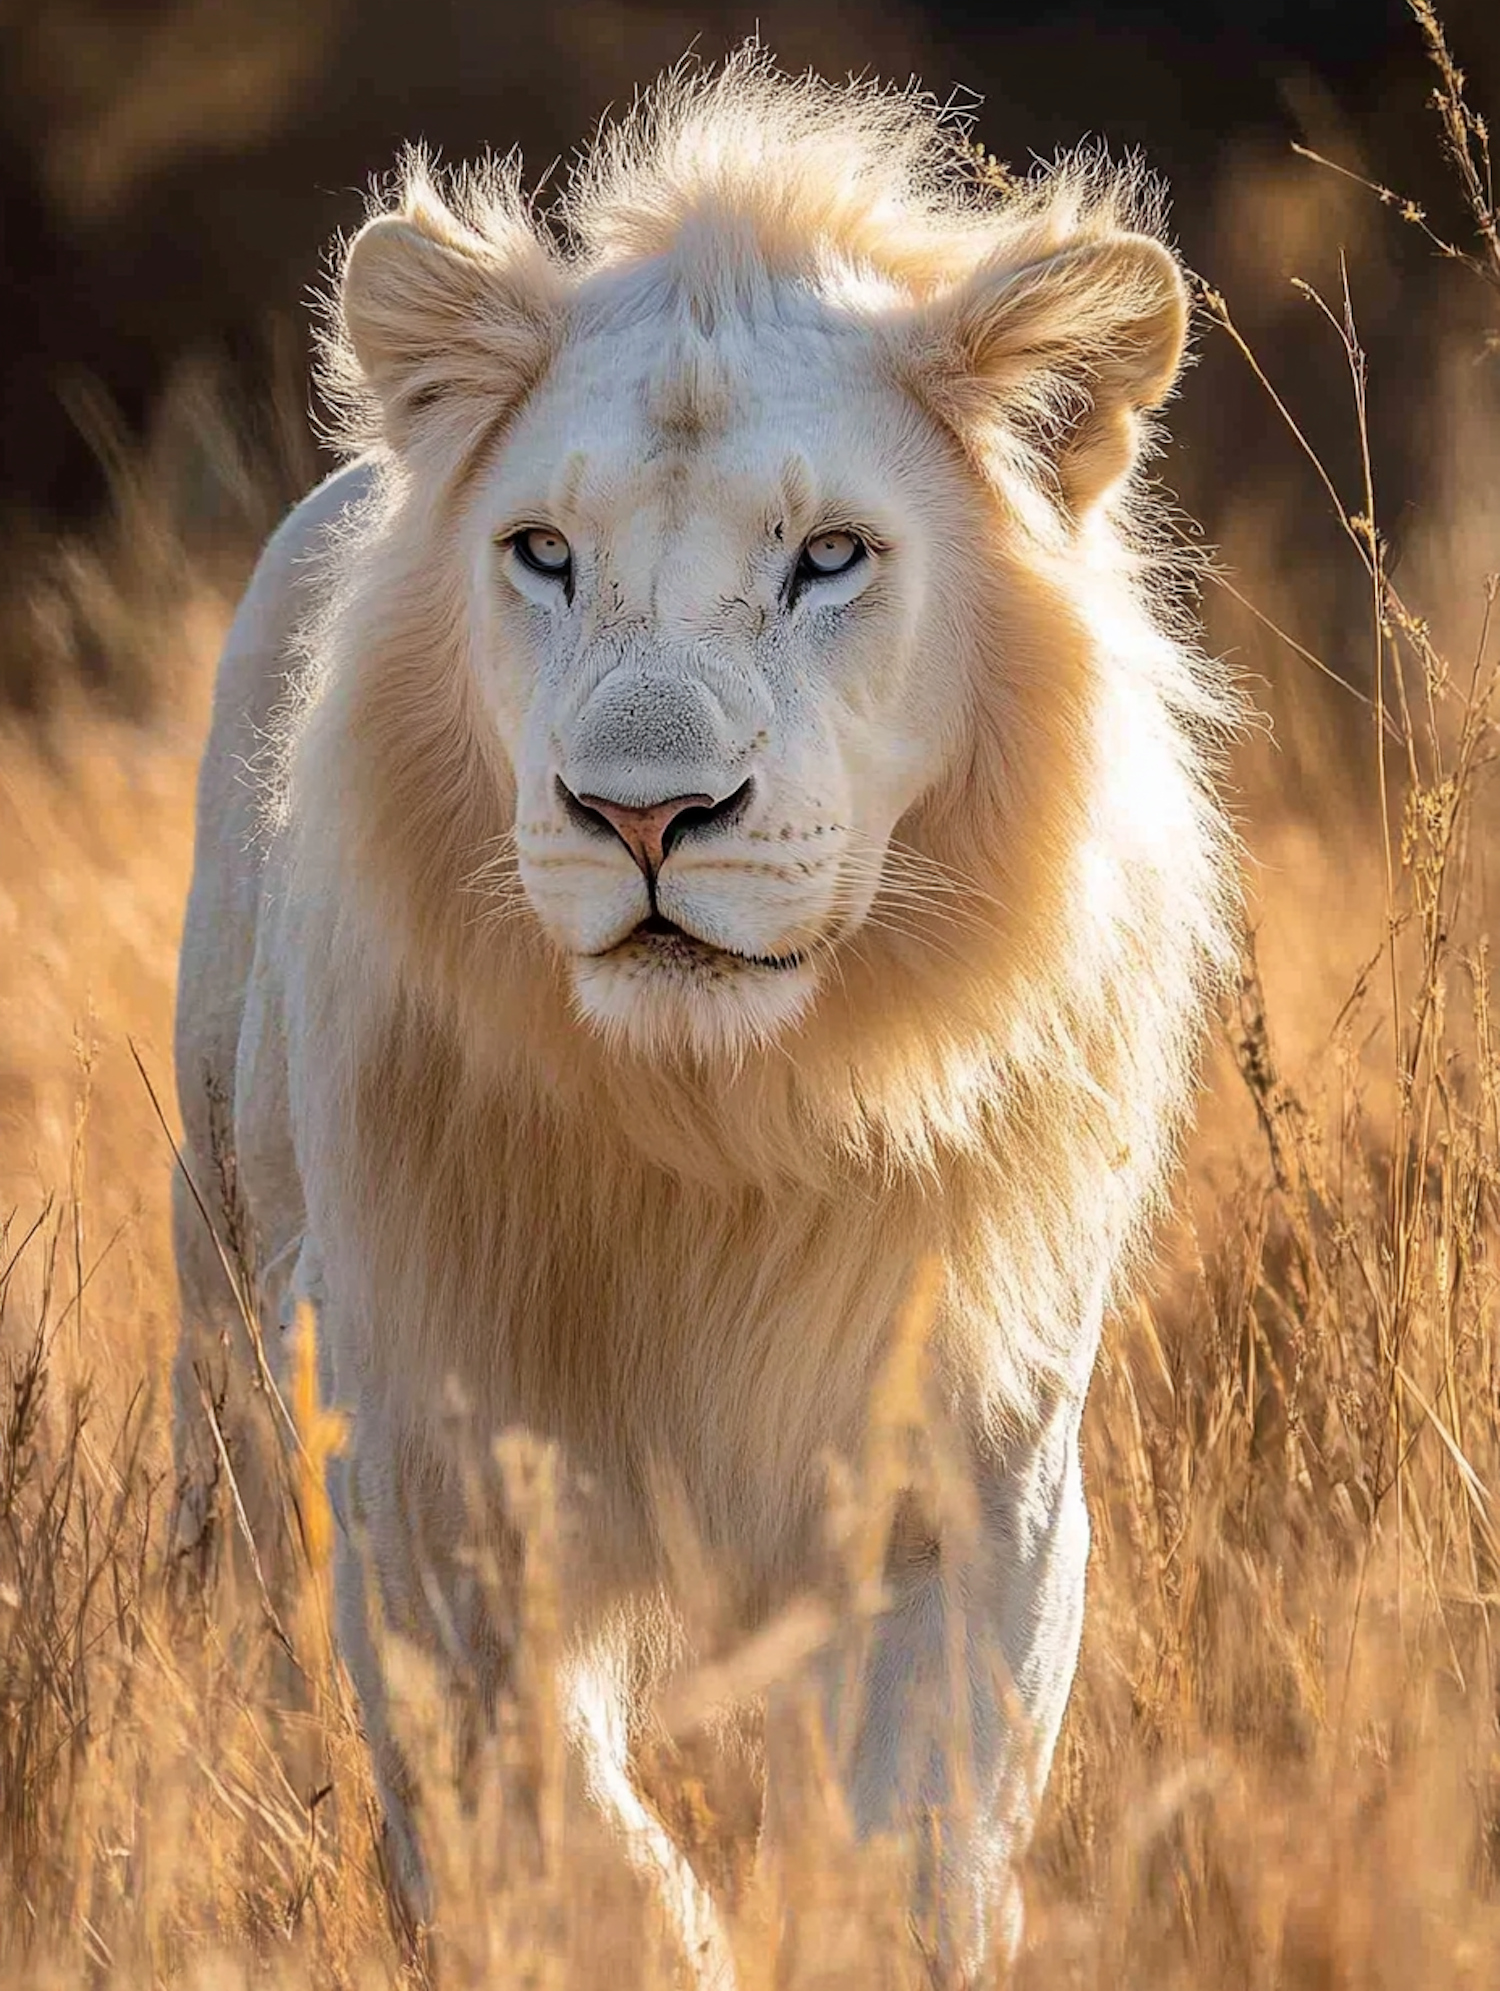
x,y
544,551
828,553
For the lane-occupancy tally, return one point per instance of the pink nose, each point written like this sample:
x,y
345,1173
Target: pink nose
x,y
646,833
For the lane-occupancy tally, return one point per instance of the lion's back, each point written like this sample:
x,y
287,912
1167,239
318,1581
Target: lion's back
x,y
225,899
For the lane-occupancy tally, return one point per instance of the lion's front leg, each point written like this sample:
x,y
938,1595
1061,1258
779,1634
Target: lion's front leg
x,y
962,1694
406,1530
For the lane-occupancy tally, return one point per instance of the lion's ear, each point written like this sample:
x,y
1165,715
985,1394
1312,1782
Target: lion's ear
x,y
440,318
1069,350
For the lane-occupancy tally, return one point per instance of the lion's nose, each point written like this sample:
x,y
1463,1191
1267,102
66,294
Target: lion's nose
x,y
649,831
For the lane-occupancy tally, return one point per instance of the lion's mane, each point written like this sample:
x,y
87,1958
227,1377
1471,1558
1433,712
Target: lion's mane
x,y
646,1253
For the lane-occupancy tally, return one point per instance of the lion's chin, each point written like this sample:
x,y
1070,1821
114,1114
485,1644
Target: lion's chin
x,y
663,995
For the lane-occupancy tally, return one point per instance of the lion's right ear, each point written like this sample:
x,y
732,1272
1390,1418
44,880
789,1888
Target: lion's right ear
x,y
442,320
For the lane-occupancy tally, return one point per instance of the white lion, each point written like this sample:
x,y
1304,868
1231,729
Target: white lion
x,y
744,827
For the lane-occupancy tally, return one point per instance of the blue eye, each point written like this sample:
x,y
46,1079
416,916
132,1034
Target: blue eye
x,y
544,551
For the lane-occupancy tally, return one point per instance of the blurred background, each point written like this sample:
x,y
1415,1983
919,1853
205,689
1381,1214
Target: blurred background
x,y
172,171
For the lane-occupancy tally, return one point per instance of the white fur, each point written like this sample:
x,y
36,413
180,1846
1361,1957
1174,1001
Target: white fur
x,y
657,1199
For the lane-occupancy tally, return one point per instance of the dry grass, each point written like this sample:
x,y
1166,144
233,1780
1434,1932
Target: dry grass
x,y
1281,1766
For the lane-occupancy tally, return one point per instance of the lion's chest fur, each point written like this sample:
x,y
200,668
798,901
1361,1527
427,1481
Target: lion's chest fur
x,y
711,1345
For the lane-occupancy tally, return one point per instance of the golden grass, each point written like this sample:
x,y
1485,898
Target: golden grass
x,y
1281,1766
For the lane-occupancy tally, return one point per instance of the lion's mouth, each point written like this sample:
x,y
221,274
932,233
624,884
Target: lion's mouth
x,y
668,941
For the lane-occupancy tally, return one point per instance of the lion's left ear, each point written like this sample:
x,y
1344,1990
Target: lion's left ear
x,y
1070,349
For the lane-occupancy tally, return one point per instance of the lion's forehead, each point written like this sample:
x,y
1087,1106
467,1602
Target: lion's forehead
x,y
744,424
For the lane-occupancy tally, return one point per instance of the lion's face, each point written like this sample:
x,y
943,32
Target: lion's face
x,y
741,519
708,597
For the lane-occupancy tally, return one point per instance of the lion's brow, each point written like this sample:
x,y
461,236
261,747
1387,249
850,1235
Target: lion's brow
x,y
568,482
691,393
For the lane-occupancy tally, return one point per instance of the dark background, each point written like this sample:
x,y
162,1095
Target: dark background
x,y
171,172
